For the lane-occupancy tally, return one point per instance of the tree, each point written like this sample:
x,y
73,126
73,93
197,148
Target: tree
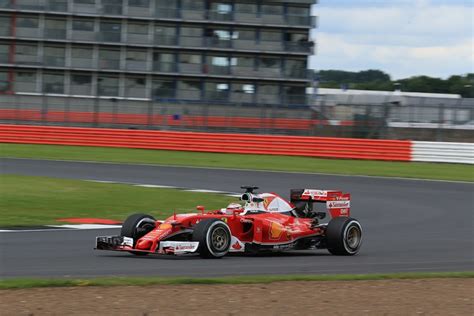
x,y
378,80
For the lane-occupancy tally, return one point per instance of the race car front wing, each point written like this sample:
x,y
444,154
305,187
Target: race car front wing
x,y
121,243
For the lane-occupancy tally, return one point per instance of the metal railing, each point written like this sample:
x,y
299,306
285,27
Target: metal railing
x,y
237,111
197,14
146,66
167,40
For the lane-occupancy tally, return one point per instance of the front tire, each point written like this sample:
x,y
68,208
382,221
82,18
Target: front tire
x,y
344,236
136,226
214,238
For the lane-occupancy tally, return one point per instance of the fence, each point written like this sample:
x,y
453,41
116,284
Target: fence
x,y
417,119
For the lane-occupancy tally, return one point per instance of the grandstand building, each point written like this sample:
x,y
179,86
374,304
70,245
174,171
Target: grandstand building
x,y
225,51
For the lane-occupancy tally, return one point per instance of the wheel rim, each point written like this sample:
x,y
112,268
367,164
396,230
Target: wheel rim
x,y
219,239
353,237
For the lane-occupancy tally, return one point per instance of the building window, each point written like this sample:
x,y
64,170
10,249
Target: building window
x,y
190,63
55,29
189,89
84,1
163,89
245,34
4,53
191,31
108,86
54,56
82,57
139,3
109,59
295,68
111,31
247,88
272,9
165,35
221,11
53,83
270,36
135,87
26,54
27,22
192,4
81,84
248,8
4,82
267,62
136,60
112,7
80,24
298,11
138,28
244,61
190,58
164,62
295,94
217,90
5,25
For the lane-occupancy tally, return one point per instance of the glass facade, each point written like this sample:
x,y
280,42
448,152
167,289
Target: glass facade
x,y
226,51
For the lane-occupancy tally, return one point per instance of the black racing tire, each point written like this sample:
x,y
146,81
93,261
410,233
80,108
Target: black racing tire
x,y
214,238
136,226
344,236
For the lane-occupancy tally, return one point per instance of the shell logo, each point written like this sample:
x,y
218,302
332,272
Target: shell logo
x,y
275,230
165,226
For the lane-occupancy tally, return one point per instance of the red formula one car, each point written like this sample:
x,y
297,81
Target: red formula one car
x,y
266,222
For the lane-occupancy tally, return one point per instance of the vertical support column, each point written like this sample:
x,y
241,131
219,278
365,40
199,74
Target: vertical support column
x,y
11,53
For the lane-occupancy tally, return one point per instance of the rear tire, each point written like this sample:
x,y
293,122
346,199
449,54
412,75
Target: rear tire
x,y
344,236
214,238
136,226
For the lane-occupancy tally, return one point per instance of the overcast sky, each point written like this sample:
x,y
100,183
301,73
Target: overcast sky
x,y
401,37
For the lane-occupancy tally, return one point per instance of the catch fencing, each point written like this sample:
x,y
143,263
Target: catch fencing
x,y
416,119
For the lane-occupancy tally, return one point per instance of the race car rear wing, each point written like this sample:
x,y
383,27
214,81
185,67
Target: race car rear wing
x,y
337,202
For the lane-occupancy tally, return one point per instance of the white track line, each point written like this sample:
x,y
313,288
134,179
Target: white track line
x,y
250,170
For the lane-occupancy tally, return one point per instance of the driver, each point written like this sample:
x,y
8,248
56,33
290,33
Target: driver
x,y
232,208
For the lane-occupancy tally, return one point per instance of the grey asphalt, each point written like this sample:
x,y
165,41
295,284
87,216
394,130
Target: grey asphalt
x,y
409,226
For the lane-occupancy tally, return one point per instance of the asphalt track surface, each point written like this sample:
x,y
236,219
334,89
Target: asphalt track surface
x,y
409,226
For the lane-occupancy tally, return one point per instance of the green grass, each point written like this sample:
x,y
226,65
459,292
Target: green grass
x,y
22,283
436,171
30,201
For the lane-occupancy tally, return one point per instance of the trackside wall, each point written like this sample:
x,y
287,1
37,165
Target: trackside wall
x,y
325,147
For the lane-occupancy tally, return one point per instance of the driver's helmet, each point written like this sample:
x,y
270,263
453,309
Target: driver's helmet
x,y
233,207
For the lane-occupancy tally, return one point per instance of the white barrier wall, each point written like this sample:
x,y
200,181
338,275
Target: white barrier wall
x,y
443,152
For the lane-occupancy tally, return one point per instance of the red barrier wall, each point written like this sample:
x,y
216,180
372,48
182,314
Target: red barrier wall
x,y
209,142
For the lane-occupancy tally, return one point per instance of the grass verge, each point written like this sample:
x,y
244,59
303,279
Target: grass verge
x,y
27,200
21,283
437,171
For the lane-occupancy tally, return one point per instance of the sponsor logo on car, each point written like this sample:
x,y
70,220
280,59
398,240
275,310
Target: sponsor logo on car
x,y
275,230
338,204
316,193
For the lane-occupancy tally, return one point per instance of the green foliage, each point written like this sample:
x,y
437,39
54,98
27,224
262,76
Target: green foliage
x,y
378,80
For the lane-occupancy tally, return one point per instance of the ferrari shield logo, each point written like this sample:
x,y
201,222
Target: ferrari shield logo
x,y
267,201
